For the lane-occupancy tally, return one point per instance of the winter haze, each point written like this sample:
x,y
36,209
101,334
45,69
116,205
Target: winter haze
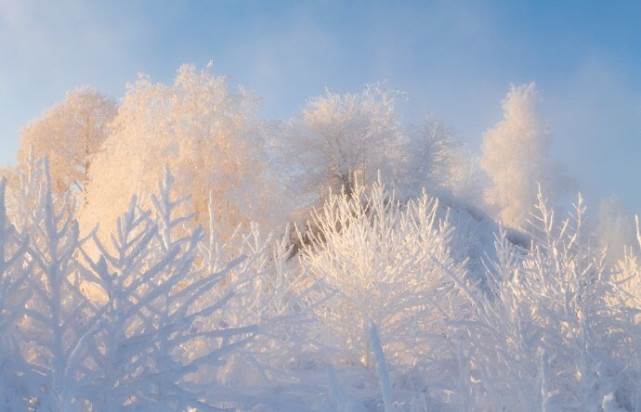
x,y
277,206
454,59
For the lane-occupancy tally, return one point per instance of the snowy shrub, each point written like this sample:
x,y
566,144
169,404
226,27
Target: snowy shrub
x,y
156,327
380,306
628,272
58,310
382,262
268,291
550,337
13,295
143,323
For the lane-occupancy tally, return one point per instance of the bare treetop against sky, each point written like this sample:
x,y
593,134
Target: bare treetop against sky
x,y
455,60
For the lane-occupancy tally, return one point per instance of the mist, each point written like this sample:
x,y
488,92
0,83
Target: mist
x,y
454,61
320,206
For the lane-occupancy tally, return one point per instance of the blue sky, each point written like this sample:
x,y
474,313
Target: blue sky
x,y
455,60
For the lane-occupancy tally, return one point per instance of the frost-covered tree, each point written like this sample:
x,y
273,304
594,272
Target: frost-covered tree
x,y
69,134
515,156
7,172
342,139
438,163
430,150
383,264
199,127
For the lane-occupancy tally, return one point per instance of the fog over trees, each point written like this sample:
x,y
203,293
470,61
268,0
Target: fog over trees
x,y
272,171
172,250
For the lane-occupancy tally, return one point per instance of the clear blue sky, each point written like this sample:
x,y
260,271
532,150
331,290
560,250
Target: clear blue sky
x,y
455,59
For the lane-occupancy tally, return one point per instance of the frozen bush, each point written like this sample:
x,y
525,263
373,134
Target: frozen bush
x,y
382,263
550,337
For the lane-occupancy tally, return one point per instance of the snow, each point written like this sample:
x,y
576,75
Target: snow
x,y
393,291
377,314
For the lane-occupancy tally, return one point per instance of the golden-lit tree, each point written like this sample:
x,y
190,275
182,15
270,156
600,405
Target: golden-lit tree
x,y
204,132
69,134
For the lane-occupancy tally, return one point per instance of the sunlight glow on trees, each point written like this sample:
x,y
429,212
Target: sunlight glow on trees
x,y
514,156
201,129
70,134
